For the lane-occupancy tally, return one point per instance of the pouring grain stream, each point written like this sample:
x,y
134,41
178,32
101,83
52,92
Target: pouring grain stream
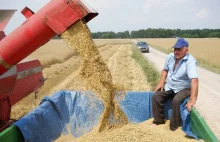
x,y
95,73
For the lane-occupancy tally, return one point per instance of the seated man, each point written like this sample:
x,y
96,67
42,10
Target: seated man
x,y
180,71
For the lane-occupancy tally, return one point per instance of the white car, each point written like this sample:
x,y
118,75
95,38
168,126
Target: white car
x,y
143,46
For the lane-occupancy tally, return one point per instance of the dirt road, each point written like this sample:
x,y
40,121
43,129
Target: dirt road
x,y
208,103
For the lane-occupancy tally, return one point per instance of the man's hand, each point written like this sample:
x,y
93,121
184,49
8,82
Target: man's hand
x,y
189,105
163,77
159,87
194,93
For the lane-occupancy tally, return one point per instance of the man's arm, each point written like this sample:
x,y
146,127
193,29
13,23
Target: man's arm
x,y
163,77
194,93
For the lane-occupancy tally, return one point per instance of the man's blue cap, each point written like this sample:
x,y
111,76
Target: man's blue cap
x,y
181,42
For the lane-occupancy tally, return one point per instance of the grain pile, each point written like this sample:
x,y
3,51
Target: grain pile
x,y
95,73
142,132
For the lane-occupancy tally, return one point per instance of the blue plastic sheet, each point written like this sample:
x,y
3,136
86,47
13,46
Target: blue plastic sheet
x,y
81,111
185,116
47,122
137,106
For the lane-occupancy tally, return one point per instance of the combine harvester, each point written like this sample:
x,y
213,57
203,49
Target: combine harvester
x,y
19,78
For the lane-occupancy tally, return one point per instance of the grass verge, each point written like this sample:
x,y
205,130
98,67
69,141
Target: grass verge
x,y
152,75
165,50
204,64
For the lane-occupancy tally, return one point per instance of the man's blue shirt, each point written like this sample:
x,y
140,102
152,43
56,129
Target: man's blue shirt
x,y
180,78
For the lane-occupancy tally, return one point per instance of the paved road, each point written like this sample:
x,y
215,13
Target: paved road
x,y
208,103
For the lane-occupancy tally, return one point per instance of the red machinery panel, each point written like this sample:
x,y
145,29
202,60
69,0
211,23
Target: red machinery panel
x,y
29,79
17,83
6,85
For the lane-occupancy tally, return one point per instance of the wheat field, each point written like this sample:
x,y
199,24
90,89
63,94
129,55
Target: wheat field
x,y
102,42
53,52
206,50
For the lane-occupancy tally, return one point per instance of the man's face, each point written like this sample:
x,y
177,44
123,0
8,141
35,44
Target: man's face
x,y
180,52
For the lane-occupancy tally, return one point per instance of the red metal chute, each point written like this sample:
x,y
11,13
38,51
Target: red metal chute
x,y
53,19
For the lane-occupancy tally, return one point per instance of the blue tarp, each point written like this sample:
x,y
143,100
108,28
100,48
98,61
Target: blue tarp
x,y
81,111
185,116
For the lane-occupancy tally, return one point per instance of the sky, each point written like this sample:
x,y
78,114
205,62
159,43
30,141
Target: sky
x,y
122,15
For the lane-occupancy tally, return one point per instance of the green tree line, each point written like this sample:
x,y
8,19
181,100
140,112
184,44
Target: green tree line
x,y
160,33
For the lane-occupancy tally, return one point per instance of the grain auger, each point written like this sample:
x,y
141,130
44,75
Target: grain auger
x,y
19,77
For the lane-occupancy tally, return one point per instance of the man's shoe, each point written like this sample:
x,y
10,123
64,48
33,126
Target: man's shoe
x,y
173,129
158,123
